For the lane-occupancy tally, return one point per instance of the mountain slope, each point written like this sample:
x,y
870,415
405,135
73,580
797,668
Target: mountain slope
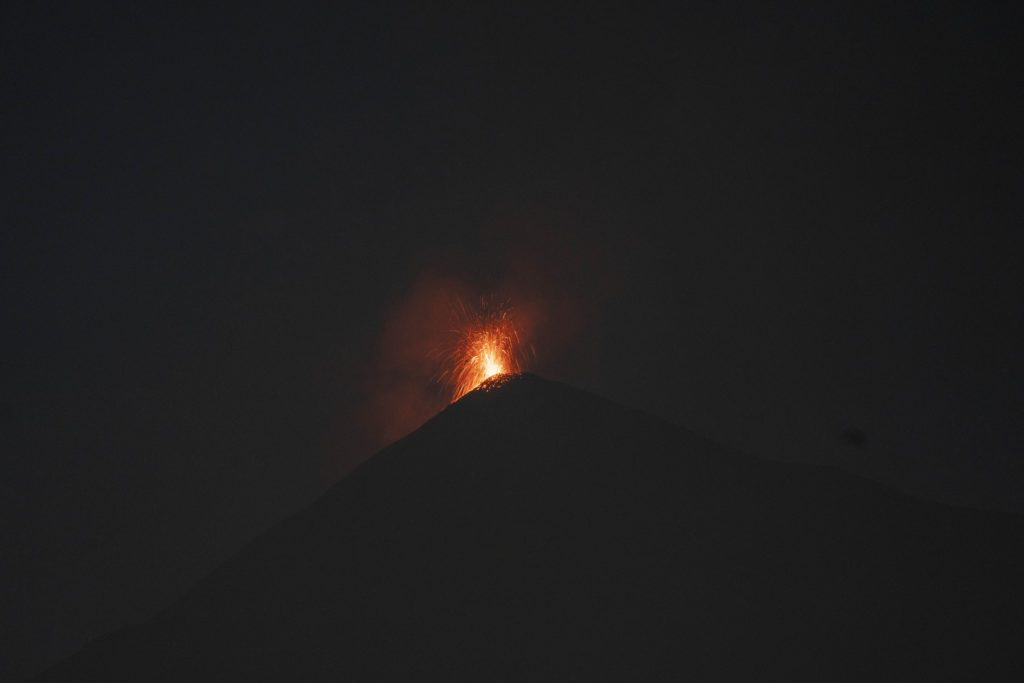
x,y
532,531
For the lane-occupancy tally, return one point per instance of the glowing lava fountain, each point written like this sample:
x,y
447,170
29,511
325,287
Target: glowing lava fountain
x,y
486,344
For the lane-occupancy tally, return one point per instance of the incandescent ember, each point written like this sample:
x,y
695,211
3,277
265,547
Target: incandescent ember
x,y
485,344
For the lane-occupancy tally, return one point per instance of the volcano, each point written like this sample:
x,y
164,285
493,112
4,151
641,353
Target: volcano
x,y
535,532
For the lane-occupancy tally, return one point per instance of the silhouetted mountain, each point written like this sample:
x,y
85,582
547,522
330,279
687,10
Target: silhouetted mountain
x,y
533,532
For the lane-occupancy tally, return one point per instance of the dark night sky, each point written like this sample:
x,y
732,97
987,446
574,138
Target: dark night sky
x,y
797,231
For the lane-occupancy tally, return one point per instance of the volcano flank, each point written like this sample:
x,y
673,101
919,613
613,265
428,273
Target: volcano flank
x,y
532,531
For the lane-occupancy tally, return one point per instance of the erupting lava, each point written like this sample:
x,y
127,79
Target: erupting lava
x,y
486,344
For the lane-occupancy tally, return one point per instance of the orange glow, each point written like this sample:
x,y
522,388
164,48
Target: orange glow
x,y
486,345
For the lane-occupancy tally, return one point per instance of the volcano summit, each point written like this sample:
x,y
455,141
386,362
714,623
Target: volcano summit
x,y
532,531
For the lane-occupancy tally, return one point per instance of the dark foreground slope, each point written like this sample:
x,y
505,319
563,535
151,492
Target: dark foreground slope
x,y
535,532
